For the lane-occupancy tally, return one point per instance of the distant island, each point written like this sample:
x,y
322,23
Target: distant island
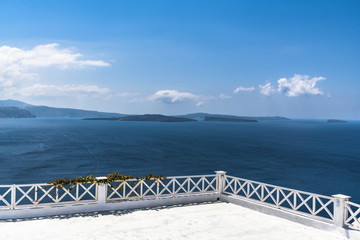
x,y
14,112
202,116
336,121
147,118
224,119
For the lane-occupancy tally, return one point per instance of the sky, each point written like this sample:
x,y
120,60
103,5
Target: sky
x,y
298,59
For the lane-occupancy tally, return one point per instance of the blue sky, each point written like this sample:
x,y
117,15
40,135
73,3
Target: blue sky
x,y
299,59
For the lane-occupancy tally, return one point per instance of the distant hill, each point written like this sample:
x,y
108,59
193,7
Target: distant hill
x,y
202,116
13,103
336,121
147,118
14,112
44,111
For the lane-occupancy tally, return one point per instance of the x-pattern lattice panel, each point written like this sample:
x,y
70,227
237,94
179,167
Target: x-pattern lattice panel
x,y
5,196
139,189
38,194
133,189
353,215
297,201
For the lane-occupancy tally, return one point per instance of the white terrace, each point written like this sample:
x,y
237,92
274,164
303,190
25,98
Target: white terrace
x,y
38,200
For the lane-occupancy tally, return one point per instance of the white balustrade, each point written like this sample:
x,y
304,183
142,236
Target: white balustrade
x,y
26,195
171,186
6,196
300,202
336,210
352,215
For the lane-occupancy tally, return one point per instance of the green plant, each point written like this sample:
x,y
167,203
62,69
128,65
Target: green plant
x,y
110,177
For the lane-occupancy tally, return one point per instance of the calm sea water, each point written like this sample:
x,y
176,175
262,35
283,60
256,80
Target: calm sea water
x,y
314,156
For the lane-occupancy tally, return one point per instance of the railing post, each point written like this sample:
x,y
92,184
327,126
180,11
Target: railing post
x,y
101,191
220,181
13,196
141,188
340,212
157,188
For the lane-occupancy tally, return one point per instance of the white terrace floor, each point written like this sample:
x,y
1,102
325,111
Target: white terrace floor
x,y
204,221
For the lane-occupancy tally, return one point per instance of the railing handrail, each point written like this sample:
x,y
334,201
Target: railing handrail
x,y
186,176
171,177
131,179
276,186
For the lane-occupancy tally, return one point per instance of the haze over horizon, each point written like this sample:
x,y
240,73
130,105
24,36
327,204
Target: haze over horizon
x,y
297,59
22,105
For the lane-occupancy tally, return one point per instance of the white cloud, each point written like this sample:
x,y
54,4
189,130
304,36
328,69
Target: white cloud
x,y
266,89
295,86
199,104
135,100
127,94
224,96
172,96
44,56
299,85
60,90
244,89
18,64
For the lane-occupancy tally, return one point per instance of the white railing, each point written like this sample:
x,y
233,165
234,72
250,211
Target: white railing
x,y
28,195
336,210
300,202
6,196
352,215
171,186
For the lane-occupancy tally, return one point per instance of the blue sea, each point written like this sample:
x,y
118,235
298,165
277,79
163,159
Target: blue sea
x,y
309,155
